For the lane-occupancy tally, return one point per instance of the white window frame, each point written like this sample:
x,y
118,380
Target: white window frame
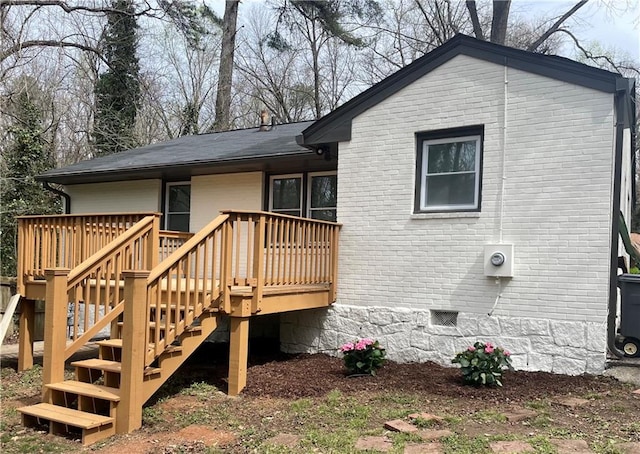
x,y
423,176
167,213
310,175
284,177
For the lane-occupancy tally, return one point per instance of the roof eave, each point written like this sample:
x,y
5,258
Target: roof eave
x,y
336,126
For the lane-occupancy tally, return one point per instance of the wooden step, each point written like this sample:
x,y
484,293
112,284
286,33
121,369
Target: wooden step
x,y
99,364
110,343
68,416
108,366
94,427
87,389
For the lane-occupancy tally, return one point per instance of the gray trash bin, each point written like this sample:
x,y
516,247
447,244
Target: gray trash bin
x,y
630,313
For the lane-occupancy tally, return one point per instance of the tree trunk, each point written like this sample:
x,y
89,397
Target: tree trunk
x,y
225,74
500,21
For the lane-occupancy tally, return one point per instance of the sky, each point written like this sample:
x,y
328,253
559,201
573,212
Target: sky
x,y
614,24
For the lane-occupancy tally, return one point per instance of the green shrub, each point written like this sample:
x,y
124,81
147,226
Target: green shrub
x,y
363,356
483,364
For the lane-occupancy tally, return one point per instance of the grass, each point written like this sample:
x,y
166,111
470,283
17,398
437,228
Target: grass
x,y
334,422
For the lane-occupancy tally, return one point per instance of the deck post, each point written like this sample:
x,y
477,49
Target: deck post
x,y
258,264
238,354
26,333
335,239
226,273
153,244
134,342
55,327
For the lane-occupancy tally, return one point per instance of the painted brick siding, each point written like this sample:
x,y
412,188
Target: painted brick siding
x,y
234,191
557,200
115,197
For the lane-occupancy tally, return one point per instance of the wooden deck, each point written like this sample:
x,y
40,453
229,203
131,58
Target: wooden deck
x,y
160,295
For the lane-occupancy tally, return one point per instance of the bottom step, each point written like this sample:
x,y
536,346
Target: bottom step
x,y
94,427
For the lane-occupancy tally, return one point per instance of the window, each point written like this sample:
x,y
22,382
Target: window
x,y
177,206
322,196
312,195
286,194
448,170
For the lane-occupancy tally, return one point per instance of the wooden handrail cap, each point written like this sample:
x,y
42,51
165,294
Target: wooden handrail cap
x,y
57,271
135,273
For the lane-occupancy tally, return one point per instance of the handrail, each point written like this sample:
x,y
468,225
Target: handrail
x,y
50,241
139,214
94,289
251,249
188,245
171,241
81,271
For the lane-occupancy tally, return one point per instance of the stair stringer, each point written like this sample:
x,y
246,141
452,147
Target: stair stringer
x,y
169,362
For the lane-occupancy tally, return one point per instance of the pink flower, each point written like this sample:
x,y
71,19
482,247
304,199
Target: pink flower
x,y
490,345
471,348
347,347
507,353
488,348
367,341
360,345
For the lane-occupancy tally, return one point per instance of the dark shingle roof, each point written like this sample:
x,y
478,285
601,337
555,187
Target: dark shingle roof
x,y
185,153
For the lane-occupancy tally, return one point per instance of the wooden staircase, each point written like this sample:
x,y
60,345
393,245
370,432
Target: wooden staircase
x,y
240,265
88,406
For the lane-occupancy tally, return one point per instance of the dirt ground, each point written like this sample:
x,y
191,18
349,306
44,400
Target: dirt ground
x,y
309,399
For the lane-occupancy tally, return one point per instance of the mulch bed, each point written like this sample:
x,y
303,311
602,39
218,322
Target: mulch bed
x,y
298,376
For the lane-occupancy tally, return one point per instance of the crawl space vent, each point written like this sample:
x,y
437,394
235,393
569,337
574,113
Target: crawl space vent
x,y
444,318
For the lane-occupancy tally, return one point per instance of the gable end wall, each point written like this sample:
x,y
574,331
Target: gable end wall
x,y
396,266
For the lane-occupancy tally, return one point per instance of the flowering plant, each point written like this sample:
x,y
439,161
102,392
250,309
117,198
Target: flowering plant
x,y
363,356
483,364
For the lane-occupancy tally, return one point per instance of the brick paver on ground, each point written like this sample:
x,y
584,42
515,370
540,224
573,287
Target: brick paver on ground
x,y
398,425
433,434
423,448
382,444
520,414
629,448
287,440
570,402
571,446
510,447
426,417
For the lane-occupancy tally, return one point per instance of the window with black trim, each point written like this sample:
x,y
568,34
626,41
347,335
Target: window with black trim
x,y
286,194
313,194
322,196
177,206
448,171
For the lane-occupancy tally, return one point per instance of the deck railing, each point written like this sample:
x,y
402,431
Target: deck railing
x,y
237,249
83,301
171,241
65,241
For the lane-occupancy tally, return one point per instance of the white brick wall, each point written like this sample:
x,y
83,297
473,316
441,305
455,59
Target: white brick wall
x,y
557,198
557,205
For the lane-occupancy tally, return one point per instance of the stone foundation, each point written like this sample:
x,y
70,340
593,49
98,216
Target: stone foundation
x,y
563,347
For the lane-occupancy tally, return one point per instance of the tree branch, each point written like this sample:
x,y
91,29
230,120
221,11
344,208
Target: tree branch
x,y
534,46
6,53
69,8
588,54
473,13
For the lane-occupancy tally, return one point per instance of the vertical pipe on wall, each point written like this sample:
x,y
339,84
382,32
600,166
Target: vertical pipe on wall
x,y
504,148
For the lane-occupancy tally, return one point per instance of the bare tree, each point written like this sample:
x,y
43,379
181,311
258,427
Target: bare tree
x,y
225,73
